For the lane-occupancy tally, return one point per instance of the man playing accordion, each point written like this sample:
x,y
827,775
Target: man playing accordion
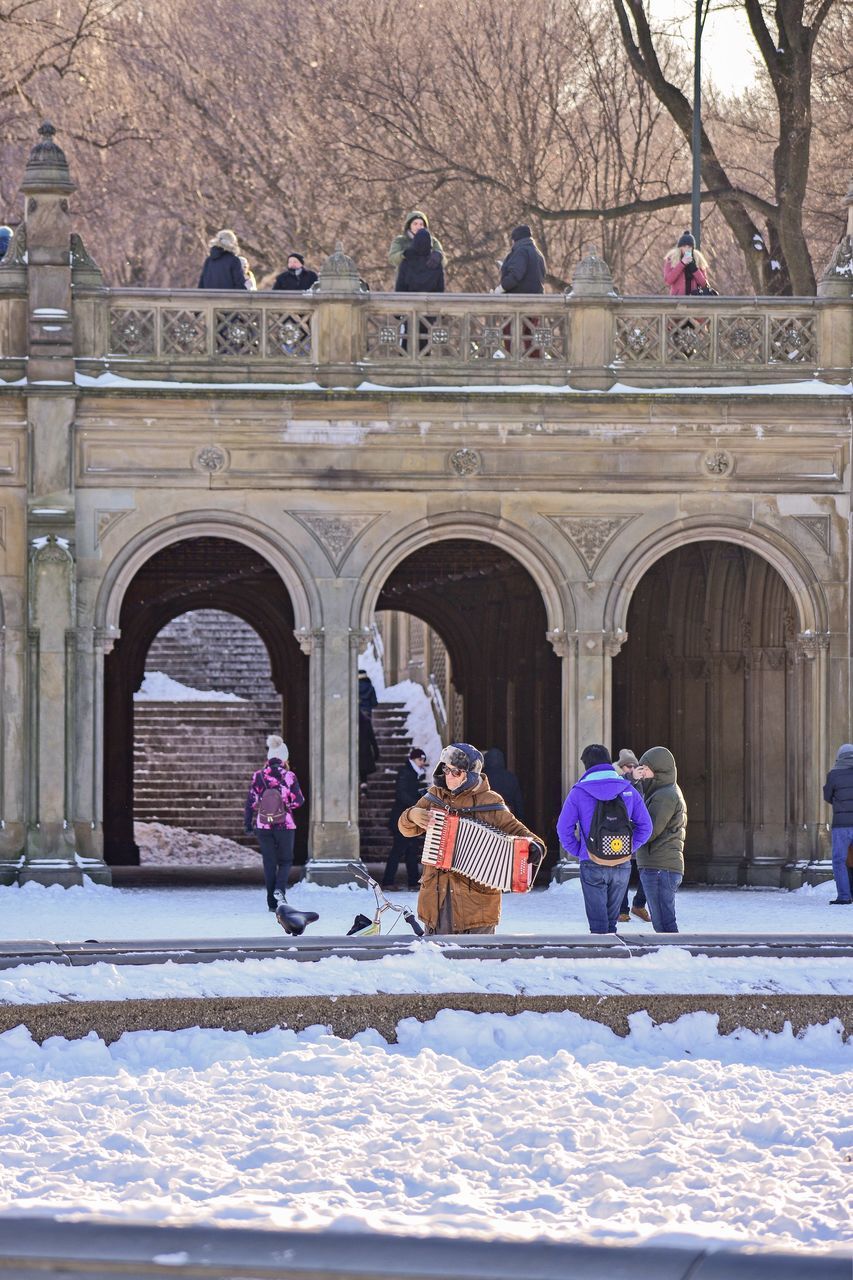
x,y
450,902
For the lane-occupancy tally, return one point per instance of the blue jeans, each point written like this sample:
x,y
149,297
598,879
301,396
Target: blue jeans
x,y
660,887
639,894
603,891
842,838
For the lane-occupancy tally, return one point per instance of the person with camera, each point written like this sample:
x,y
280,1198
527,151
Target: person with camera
x,y
685,269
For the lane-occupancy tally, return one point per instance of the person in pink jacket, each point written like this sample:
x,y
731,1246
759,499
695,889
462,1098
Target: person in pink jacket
x,y
685,269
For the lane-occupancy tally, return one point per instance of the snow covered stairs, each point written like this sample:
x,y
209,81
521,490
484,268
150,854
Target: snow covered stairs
x,y
193,762
389,725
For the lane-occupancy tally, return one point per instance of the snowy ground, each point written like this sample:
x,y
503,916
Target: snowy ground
x,y
534,1126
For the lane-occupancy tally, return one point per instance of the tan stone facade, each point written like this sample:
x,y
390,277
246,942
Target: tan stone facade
x,y
338,436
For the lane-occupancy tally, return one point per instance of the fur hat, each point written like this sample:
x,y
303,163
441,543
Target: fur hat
x,y
686,241
521,232
276,748
626,757
226,240
459,755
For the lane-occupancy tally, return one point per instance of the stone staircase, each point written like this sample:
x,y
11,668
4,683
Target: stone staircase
x,y
212,649
389,725
193,762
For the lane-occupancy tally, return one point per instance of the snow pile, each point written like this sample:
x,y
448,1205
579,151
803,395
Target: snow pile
x,y
158,687
530,1127
162,846
420,722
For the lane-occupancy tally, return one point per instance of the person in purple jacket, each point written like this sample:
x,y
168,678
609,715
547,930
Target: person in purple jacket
x,y
603,887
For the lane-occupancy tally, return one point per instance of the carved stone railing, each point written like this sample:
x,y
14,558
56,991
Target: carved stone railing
x,y
343,339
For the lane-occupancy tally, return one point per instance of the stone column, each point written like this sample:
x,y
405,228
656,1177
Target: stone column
x,y
336,338
587,702
12,771
835,309
591,325
334,838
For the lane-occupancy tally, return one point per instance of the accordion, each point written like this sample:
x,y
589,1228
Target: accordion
x,y
479,851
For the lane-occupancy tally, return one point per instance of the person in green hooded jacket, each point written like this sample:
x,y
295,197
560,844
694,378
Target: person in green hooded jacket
x,y
661,860
414,221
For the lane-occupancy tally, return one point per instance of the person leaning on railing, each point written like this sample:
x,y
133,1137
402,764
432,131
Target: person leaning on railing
x,y
222,269
685,269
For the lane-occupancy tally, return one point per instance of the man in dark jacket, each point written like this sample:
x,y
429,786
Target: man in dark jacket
x,y
603,886
838,791
368,749
422,267
503,781
367,698
409,787
661,862
523,269
297,277
222,269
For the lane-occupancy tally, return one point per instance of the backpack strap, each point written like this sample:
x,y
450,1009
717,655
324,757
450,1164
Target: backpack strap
x,y
474,808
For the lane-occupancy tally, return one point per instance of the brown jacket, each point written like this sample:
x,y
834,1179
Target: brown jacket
x,y
474,906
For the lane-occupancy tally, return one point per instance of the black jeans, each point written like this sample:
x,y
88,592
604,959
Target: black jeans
x,y
277,852
409,848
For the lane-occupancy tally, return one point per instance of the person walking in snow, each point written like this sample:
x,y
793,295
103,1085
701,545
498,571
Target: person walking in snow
x,y
603,885
661,861
448,901
273,795
838,791
685,268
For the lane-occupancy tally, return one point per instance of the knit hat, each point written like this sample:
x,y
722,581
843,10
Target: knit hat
x,y
626,757
226,240
294,254
276,748
459,755
845,756
521,232
685,241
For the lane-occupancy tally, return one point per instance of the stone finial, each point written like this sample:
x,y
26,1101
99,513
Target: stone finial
x,y
47,167
592,278
339,274
837,279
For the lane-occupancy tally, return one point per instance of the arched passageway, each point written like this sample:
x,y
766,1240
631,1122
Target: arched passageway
x,y
506,678
197,574
710,670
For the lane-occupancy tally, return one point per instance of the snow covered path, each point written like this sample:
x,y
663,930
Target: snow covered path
x,y
536,1126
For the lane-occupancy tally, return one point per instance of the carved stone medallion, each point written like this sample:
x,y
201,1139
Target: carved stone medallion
x,y
211,458
465,462
717,463
820,527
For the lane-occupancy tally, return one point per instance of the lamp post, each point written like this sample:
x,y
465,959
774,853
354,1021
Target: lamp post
x,y
700,15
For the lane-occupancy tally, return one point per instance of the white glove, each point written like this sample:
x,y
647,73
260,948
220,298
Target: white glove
x,y
498,289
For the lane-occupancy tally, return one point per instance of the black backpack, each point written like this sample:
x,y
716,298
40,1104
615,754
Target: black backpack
x,y
271,806
609,842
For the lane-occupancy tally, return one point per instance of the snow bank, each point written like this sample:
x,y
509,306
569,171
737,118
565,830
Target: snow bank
x,y
158,687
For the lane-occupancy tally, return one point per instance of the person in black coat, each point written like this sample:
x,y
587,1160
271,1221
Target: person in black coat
x,y
367,698
503,781
368,748
422,267
523,269
297,277
222,269
838,791
410,786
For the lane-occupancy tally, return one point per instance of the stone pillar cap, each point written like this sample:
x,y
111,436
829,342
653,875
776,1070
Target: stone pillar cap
x,y
592,278
339,274
47,167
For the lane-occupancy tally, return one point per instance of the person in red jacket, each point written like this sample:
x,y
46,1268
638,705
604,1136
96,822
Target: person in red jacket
x,y
685,269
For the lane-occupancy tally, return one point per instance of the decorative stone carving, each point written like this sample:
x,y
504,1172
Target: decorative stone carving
x,y
638,339
593,278
47,167
360,638
589,535
810,643
16,252
613,641
237,333
310,641
465,462
561,642
106,520
717,463
84,268
211,458
52,550
793,340
336,534
820,527
339,274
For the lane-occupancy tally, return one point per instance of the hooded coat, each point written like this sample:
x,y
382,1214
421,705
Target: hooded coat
x,y
523,269
503,781
400,243
601,782
668,810
422,268
838,788
222,270
474,905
